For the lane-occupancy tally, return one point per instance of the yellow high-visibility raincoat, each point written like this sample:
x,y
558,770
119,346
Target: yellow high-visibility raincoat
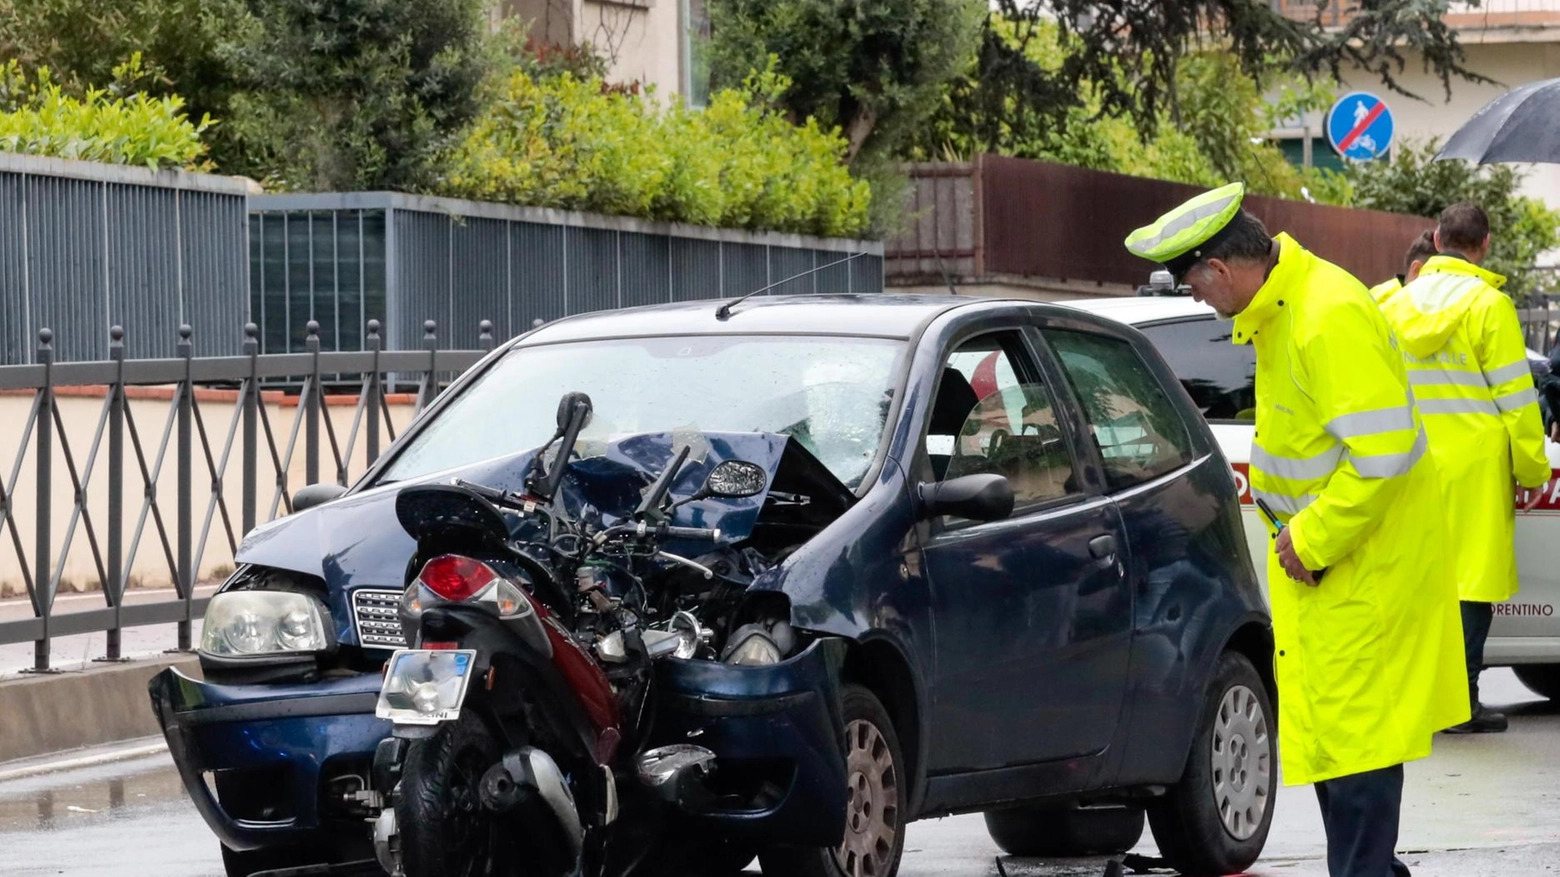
x,y
1383,290
1467,364
1370,661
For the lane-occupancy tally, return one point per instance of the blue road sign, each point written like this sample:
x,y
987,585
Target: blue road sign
x,y
1359,126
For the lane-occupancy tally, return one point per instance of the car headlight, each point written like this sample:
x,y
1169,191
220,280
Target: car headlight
x,y
244,623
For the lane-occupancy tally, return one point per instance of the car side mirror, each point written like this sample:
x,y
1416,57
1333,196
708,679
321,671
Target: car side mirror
x,y
316,494
976,497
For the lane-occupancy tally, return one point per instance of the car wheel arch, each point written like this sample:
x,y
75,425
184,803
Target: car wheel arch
x,y
1254,640
882,666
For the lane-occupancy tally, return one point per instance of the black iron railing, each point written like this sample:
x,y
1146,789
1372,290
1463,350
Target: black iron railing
x,y
187,442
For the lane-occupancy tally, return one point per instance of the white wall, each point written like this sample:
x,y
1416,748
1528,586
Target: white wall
x,y
642,39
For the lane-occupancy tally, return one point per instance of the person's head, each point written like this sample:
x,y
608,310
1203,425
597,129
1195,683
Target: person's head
x,y
1465,230
1419,252
1233,267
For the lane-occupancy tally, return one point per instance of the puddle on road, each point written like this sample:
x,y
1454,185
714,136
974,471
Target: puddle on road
x,y
51,802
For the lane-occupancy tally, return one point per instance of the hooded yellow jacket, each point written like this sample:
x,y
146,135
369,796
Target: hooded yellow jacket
x,y
1369,662
1467,364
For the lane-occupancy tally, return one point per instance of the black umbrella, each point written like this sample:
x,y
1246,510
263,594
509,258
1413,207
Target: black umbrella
x,y
1521,125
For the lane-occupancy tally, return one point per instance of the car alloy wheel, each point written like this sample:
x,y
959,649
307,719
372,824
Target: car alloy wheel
x,y
872,810
1242,772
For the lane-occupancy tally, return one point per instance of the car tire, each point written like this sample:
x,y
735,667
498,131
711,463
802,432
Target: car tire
x,y
875,813
1541,679
242,863
1065,832
1216,819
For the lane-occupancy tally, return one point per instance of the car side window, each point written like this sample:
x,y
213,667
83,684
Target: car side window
x,y
1137,428
1221,377
992,416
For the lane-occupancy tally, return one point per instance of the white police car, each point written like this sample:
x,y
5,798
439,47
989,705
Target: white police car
x,y
1220,376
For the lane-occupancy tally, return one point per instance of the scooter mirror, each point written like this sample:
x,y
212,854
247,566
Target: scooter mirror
x,y
566,407
735,479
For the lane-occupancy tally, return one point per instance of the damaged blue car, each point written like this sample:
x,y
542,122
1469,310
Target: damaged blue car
x,y
667,590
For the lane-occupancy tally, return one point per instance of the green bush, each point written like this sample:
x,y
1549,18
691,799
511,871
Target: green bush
x,y
40,119
574,144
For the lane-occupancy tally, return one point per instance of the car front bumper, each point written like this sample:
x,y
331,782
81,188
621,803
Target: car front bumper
x,y
274,746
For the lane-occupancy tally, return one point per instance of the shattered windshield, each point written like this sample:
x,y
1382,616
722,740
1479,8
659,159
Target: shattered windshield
x,y
831,394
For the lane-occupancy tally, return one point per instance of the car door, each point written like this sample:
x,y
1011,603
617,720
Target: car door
x,y
1221,379
1032,621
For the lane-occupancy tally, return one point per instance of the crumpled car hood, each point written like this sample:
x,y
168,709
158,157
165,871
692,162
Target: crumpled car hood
x,y
355,541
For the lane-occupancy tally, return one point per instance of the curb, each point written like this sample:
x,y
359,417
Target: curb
x,y
60,712
92,756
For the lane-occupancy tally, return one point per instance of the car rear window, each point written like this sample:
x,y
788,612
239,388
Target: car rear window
x,y
1220,376
1139,432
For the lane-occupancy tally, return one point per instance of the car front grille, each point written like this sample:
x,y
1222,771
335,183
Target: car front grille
x,y
377,614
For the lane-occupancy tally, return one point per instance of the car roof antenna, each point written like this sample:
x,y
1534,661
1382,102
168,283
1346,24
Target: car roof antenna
x,y
724,311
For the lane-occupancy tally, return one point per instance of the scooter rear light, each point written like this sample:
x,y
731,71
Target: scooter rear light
x,y
456,578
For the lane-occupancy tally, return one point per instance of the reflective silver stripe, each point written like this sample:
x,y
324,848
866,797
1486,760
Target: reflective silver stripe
x,y
1361,423
1435,292
1296,469
1390,465
1289,505
1457,406
1520,399
1182,223
1506,373
1430,376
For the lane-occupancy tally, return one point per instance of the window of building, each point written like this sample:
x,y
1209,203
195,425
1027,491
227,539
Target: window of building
x,y
696,52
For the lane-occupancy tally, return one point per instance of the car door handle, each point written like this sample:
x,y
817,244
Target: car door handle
x,y
1103,548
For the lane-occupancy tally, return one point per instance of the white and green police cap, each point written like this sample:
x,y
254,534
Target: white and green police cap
x,y
1177,239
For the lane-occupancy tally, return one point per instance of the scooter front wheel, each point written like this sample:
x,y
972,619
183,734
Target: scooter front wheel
x,y
438,808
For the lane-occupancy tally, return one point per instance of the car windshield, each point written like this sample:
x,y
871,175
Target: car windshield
x,y
831,394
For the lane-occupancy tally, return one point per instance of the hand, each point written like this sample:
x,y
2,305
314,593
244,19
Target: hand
x,y
1554,431
1291,560
1534,497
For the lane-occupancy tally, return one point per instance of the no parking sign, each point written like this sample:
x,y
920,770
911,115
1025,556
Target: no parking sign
x,y
1359,126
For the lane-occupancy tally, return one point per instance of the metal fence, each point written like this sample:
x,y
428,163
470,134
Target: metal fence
x,y
85,246
134,457
334,258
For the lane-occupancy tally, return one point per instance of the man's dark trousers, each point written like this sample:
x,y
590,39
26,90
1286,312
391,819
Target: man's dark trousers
x,y
1360,813
1476,621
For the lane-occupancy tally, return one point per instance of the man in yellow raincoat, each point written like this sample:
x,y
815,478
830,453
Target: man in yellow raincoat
x,y
1419,252
1467,363
1367,655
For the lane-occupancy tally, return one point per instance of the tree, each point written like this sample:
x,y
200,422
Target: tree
x,y
355,94
874,69
86,43
1217,140
1124,57
1521,228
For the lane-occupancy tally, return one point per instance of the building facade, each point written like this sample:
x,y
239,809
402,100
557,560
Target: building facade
x,y
1513,42
658,43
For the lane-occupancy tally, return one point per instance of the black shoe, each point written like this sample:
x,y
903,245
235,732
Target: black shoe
x,y
1484,721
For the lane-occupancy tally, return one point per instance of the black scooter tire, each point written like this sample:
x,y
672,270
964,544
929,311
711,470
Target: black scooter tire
x,y
438,808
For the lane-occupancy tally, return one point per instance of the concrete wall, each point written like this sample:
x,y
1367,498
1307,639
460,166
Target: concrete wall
x,y
80,409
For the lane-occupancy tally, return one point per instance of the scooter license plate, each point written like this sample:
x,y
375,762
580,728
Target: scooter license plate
x,y
425,686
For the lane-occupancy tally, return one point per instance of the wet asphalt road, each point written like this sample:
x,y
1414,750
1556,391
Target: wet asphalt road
x,y
1485,805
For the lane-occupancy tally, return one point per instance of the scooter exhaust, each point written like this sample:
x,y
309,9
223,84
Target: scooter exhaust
x,y
527,774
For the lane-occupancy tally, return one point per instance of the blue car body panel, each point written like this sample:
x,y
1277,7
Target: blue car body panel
x,y
1008,688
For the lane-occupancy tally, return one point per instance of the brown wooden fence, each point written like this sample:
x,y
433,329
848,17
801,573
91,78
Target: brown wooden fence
x,y
996,217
